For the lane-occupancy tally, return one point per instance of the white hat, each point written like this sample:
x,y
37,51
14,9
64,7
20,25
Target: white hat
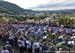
x,y
73,30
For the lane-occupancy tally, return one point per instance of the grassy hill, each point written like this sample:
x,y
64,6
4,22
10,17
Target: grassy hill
x,y
6,7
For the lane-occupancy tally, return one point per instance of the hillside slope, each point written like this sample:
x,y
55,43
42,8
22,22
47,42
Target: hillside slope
x,y
12,8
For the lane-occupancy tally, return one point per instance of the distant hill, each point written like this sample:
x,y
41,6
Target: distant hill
x,y
10,8
6,7
62,11
65,11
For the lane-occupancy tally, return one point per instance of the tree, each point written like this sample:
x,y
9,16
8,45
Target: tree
x,y
66,21
41,17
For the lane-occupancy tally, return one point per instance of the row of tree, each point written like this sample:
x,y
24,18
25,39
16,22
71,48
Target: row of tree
x,y
66,21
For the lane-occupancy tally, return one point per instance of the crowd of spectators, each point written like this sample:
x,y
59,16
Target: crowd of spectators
x,y
29,38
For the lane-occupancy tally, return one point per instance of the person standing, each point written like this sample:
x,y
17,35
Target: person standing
x,y
29,46
5,50
21,45
36,47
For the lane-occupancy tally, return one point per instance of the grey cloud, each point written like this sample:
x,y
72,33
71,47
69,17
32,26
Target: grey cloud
x,y
66,3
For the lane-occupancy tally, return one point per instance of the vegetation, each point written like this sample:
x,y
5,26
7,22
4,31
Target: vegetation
x,y
2,20
66,21
10,8
41,17
6,7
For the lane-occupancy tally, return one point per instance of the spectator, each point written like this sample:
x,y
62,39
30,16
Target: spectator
x,y
5,50
36,47
21,45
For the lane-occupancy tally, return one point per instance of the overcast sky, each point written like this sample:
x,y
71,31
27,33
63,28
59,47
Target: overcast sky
x,y
44,4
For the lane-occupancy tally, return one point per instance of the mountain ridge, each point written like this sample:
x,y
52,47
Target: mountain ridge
x,y
12,8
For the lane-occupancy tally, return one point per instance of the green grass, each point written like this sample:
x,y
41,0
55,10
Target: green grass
x,y
2,20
